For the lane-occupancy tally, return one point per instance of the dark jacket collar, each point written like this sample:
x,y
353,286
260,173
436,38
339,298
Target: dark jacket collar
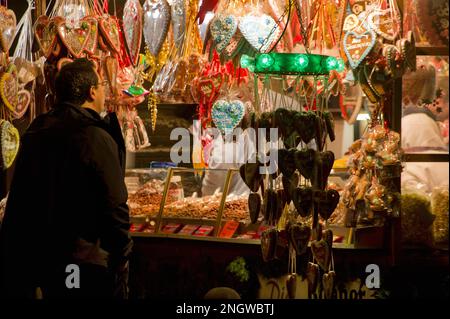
x,y
415,110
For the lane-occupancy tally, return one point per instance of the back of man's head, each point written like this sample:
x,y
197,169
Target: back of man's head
x,y
74,81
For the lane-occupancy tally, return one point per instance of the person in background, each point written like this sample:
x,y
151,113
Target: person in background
x,y
66,208
421,132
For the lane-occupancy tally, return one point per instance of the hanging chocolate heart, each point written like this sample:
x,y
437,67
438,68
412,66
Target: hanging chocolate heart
x,y
302,197
90,46
382,23
289,185
312,276
323,164
329,122
156,24
328,281
291,285
304,123
9,88
223,28
268,244
10,142
250,175
46,31
299,235
358,45
109,29
23,101
132,27
321,133
178,17
270,206
260,31
8,25
321,252
226,115
286,162
327,202
74,39
304,161
284,121
254,206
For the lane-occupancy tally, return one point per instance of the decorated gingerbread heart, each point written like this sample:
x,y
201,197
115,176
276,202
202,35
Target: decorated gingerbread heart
x,y
299,237
8,25
23,101
223,28
322,253
109,29
132,27
382,22
90,46
226,115
46,33
10,142
74,38
358,45
261,31
9,88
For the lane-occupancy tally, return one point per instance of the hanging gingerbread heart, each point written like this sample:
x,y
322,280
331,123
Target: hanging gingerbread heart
x,y
23,101
383,24
286,162
178,17
250,175
8,25
323,164
302,197
74,39
226,115
254,206
329,122
289,185
312,276
304,123
322,253
46,33
299,235
268,244
110,31
327,202
10,142
328,281
304,161
291,285
260,31
270,205
90,46
156,24
132,27
9,88
223,28
284,120
357,45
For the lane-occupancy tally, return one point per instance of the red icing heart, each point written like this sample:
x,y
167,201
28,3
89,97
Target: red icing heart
x,y
110,31
74,39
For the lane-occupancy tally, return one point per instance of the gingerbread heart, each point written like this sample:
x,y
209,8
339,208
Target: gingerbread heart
x,y
8,24
254,206
312,276
321,133
226,115
304,123
299,235
327,202
322,253
9,88
156,24
328,281
302,198
23,101
260,31
109,29
74,39
286,162
357,45
304,161
132,28
289,185
46,33
329,122
268,244
284,121
323,164
291,285
270,205
223,28
90,46
383,24
250,175
10,142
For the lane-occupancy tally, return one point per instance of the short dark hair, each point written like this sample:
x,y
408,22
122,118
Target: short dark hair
x,y
74,81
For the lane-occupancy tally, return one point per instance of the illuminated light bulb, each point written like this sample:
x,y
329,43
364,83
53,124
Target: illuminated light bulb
x,y
302,61
331,63
265,61
341,65
247,61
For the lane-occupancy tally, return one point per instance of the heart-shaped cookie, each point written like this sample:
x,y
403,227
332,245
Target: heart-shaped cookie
x,y
321,133
156,24
132,28
250,175
304,123
23,101
304,161
327,202
74,39
328,281
254,206
322,253
270,205
289,185
226,115
291,285
223,28
299,235
260,31
46,33
323,164
329,122
90,46
268,244
312,276
10,142
8,25
383,24
358,45
109,29
9,88
302,198
284,121
286,161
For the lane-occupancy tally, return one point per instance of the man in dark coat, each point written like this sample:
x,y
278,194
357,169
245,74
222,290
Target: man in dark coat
x,y
66,224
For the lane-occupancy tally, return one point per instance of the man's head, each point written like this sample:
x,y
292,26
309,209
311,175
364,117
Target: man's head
x,y
79,83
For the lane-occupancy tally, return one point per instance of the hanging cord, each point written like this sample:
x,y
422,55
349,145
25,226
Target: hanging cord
x,y
25,27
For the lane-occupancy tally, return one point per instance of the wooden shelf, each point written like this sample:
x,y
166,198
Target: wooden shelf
x,y
416,157
429,50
